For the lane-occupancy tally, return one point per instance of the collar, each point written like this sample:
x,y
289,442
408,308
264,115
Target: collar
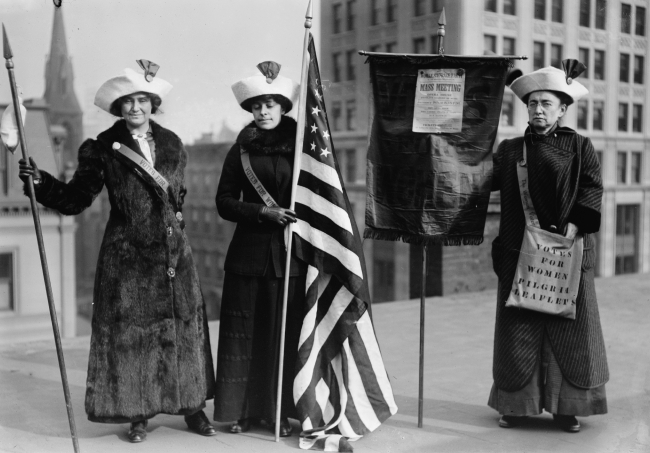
x,y
533,138
280,140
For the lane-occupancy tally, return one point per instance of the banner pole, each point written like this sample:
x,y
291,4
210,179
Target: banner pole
x,y
300,133
8,55
442,21
423,287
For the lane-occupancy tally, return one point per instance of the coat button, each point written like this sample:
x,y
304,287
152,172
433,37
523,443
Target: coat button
x,y
170,231
179,216
171,272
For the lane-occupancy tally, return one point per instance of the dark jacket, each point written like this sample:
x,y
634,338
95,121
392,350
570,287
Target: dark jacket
x,y
149,349
258,244
565,186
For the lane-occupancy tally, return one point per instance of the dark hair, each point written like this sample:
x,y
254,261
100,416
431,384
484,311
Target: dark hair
x,y
116,106
286,104
563,97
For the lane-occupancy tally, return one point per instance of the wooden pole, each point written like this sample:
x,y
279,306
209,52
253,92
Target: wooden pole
x,y
442,21
423,287
39,237
300,133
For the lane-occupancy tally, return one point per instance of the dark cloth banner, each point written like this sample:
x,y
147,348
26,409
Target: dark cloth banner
x,y
432,186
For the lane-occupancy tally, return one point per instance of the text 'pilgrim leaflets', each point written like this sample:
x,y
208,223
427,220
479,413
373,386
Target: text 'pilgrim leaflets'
x,y
548,278
439,100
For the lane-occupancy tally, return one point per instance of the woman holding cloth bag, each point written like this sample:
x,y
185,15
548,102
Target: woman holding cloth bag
x,y
545,356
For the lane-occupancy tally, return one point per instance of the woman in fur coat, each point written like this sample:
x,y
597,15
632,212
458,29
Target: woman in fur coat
x,y
149,348
541,361
249,335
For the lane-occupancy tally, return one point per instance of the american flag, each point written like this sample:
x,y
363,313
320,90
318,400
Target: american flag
x,y
341,388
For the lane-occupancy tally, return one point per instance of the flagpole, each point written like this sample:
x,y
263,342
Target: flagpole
x,y
39,238
300,133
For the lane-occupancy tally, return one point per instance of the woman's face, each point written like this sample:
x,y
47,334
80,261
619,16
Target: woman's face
x,y
544,109
136,109
267,114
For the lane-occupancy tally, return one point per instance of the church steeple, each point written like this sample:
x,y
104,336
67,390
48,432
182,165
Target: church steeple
x,y
59,77
64,106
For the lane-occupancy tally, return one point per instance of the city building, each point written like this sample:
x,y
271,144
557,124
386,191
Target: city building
x,y
208,233
609,36
24,312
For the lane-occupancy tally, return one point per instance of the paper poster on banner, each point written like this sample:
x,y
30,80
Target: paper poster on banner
x,y
438,105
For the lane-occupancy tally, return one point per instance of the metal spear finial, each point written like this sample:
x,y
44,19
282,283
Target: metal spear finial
x,y
309,15
5,44
442,21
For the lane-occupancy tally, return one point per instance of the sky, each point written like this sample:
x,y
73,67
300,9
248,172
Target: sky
x,y
202,47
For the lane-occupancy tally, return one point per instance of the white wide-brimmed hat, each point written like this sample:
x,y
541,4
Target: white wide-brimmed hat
x,y
551,79
131,82
269,82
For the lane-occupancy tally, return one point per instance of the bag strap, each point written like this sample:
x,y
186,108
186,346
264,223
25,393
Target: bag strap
x,y
250,174
524,191
136,162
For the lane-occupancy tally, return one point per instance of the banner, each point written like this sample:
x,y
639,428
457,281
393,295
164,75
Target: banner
x,y
434,120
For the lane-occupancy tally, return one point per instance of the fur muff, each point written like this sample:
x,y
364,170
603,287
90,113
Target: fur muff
x,y
149,349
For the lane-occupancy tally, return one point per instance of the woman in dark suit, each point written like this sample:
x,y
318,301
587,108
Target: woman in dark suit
x,y
150,347
248,358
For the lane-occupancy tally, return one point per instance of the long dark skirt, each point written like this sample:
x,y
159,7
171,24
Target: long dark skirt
x,y
249,338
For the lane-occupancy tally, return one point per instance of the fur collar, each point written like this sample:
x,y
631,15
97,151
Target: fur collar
x,y
281,140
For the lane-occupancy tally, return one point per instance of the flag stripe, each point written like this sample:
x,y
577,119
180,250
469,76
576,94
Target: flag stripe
x,y
321,171
323,207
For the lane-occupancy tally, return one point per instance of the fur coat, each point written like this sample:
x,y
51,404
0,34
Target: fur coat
x,y
149,349
565,186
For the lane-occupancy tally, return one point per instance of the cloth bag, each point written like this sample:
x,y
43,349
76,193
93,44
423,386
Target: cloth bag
x,y
548,270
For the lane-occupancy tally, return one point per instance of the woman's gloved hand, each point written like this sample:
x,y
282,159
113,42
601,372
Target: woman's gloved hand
x,y
277,215
570,231
27,170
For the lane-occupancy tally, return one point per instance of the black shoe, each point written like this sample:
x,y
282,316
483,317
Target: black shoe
x,y
199,423
510,421
568,423
285,427
137,431
241,426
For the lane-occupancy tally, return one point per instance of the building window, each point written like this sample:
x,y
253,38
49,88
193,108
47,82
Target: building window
x,y
638,69
507,110
437,5
4,173
538,55
350,165
6,281
626,18
419,7
639,21
621,167
557,10
349,64
585,12
624,68
599,64
391,46
622,116
601,14
351,115
583,114
637,118
556,56
433,43
490,43
627,239
336,66
336,115
509,7
598,115
351,14
508,46
490,5
635,167
336,17
374,12
583,56
391,10
540,9
418,45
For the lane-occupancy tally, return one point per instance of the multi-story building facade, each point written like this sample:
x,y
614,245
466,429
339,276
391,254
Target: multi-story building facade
x,y
609,36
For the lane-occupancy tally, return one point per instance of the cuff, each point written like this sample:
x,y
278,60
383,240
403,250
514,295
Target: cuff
x,y
586,219
40,190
